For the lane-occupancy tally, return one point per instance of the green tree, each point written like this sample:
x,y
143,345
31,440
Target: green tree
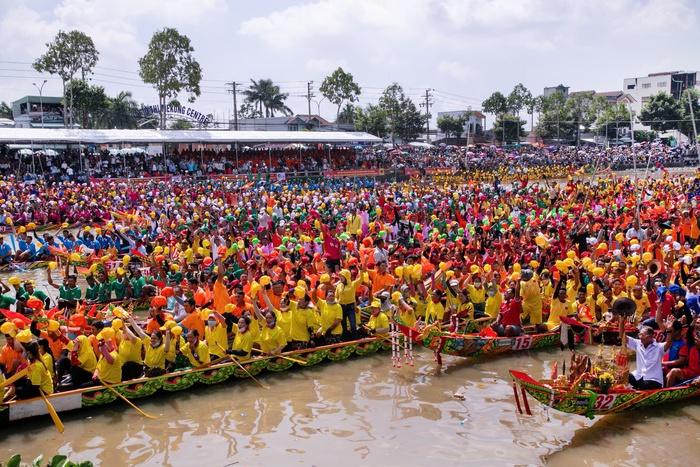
x,y
169,65
662,112
69,53
584,108
535,105
122,112
611,119
404,117
248,110
496,104
5,110
180,124
518,99
508,128
555,120
89,101
686,124
451,125
347,115
338,88
372,120
267,98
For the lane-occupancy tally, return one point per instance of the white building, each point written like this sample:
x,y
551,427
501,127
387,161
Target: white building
x,y
641,89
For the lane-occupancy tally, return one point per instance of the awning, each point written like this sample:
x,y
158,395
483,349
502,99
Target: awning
x,y
74,136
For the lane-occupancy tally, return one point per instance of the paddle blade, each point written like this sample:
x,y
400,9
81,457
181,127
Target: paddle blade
x,y
52,412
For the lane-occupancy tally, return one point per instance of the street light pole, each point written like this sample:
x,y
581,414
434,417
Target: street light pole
x,y
41,100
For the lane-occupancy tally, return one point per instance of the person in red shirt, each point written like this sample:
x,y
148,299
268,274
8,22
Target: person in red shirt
x,y
331,247
508,322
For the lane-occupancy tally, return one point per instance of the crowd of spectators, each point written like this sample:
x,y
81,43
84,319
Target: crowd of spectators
x,y
65,166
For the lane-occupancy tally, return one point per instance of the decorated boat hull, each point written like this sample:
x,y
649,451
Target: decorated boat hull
x,y
186,379
590,403
474,345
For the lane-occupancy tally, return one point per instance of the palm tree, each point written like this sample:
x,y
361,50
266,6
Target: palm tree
x,y
265,95
122,112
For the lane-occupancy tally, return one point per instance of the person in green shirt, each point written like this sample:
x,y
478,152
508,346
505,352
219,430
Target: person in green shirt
x,y
6,301
16,283
92,292
120,286
69,293
138,282
104,293
32,292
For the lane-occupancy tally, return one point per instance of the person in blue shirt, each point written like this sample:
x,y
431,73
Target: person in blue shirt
x,y
5,252
26,250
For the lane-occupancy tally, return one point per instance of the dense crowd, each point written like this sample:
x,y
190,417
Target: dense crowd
x,y
230,268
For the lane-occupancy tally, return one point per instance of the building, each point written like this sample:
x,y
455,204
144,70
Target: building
x,y
285,123
27,112
475,123
672,82
617,97
564,90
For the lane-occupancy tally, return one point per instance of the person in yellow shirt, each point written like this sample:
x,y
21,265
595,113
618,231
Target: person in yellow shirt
x,y
37,379
272,338
531,296
477,293
493,300
561,306
215,334
46,356
303,320
330,317
283,315
435,310
405,311
584,307
196,350
354,223
378,322
109,367
643,303
83,362
345,292
618,289
154,363
243,342
129,352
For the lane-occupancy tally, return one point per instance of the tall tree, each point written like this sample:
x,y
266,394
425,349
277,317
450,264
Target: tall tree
x,y
122,112
518,99
248,110
535,105
508,127
89,101
267,98
451,126
686,124
496,104
169,65
404,117
555,119
347,115
338,88
584,108
611,119
372,120
662,113
69,53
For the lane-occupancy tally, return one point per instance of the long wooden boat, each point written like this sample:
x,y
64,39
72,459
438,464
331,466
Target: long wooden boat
x,y
590,402
473,344
186,379
24,266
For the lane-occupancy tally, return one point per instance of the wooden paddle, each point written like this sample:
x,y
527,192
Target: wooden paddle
x,y
52,412
126,400
213,362
15,377
243,368
300,362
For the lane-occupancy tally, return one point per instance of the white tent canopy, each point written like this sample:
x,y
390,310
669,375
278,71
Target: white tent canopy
x,y
72,136
418,144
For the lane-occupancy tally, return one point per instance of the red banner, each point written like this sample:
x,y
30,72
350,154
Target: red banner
x,y
353,173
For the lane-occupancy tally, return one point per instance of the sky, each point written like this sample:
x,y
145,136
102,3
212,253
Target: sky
x,y
461,50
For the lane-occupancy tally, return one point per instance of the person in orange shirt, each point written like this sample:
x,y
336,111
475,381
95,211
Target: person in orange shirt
x,y
193,320
382,281
158,316
10,356
689,226
238,299
275,293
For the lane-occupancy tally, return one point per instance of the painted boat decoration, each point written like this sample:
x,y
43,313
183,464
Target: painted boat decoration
x,y
474,344
185,379
589,402
24,266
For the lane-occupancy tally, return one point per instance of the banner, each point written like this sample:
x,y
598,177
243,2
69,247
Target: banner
x,y
430,171
353,173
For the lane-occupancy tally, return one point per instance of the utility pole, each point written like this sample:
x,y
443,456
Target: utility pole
x,y
692,116
309,95
427,105
235,105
